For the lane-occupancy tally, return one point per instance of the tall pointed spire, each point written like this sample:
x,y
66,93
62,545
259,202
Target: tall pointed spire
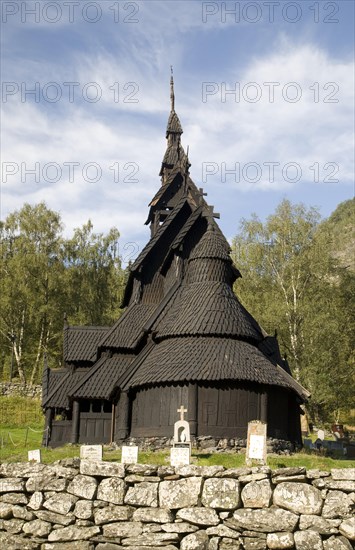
x,y
174,153
172,94
174,127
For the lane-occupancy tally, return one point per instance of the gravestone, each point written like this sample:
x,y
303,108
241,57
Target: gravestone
x,y
34,456
182,429
256,442
91,452
181,452
179,456
129,454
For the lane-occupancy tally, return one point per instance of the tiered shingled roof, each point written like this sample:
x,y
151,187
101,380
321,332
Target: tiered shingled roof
x,y
210,359
183,321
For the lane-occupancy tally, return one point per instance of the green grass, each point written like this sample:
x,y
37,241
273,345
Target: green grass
x,y
21,429
13,449
20,412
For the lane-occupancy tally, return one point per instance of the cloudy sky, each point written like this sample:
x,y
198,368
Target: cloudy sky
x,y
264,91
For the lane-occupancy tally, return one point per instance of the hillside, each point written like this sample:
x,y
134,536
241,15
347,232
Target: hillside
x,y
340,227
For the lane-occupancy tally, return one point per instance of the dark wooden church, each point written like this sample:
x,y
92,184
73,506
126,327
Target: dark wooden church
x,y
184,338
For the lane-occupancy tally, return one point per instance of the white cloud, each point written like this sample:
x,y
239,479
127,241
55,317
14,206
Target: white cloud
x,y
106,132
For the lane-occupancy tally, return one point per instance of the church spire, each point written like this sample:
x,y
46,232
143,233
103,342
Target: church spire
x,y
174,128
174,153
172,94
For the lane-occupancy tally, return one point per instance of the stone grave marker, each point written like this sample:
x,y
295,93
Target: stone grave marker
x,y
180,456
91,452
181,451
182,429
129,454
256,442
34,456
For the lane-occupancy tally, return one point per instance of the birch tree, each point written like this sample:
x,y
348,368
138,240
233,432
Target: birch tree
x,y
292,283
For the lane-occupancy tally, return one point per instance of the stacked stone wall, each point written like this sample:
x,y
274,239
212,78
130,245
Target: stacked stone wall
x,y
13,389
87,505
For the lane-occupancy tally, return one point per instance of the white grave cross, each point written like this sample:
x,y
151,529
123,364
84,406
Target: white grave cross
x,y
182,410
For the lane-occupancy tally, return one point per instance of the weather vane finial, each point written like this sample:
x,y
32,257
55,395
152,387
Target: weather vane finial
x,y
172,95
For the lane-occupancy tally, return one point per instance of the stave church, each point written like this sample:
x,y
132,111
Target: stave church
x,y
183,339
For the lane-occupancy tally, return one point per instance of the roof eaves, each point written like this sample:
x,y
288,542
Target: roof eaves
x,y
296,386
123,381
58,386
92,370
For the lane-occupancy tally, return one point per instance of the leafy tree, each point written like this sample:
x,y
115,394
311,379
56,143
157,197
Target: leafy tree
x,y
30,272
94,276
44,275
292,283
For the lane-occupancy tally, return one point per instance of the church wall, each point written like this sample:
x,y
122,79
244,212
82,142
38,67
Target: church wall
x,y
278,413
154,410
224,411
221,410
60,433
95,421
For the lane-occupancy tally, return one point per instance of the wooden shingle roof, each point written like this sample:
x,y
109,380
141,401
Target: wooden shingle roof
x,y
80,343
63,380
100,381
210,359
183,321
174,124
183,203
208,308
213,244
128,330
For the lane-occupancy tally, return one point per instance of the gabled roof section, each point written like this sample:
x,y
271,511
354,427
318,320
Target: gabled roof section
x,y
189,224
100,381
80,343
128,330
270,348
62,380
162,229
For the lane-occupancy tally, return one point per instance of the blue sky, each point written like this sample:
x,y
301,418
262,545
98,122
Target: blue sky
x,y
264,91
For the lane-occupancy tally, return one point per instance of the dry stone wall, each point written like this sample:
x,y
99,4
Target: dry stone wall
x,y
14,389
87,505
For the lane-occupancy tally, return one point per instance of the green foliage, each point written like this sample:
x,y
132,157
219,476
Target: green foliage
x,y
18,412
293,283
43,276
340,231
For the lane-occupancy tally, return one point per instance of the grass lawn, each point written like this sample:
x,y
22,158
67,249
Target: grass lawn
x,y
14,448
16,440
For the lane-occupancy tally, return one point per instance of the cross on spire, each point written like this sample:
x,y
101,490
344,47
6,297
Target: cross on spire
x,y
212,214
201,195
182,410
